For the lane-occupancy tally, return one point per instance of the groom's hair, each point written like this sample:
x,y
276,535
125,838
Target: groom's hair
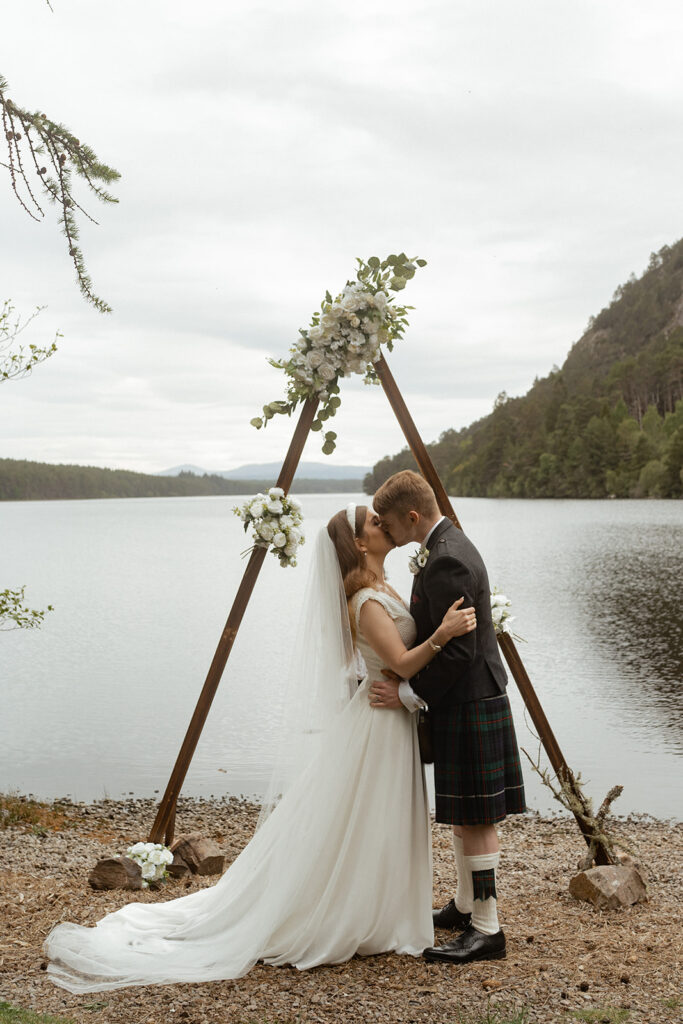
x,y
405,492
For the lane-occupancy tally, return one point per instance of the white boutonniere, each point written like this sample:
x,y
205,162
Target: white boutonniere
x,y
418,561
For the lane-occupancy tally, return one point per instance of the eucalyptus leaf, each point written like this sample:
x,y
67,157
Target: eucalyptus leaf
x,y
316,425
328,447
256,422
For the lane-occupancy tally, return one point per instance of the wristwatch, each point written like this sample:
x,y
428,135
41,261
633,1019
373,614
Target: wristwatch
x,y
434,647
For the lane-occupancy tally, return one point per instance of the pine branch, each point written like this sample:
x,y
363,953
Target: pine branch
x,y
46,141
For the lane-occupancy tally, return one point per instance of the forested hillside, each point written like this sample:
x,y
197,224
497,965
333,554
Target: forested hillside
x,y
609,423
34,481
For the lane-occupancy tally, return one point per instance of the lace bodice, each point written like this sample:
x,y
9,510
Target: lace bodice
x,y
405,625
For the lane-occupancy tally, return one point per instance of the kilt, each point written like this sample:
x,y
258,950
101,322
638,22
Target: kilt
x,y
477,770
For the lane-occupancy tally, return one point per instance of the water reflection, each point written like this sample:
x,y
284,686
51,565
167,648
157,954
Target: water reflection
x,y
633,614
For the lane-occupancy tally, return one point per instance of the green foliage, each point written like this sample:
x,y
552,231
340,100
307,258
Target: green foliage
x,y
41,151
604,1015
13,1015
16,362
21,480
608,424
14,614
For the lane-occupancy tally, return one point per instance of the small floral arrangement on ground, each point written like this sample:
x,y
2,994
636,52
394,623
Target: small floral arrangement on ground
x,y
275,519
502,620
418,561
153,859
344,337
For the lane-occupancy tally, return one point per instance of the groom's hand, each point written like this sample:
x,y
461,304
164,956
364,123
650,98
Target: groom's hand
x,y
384,692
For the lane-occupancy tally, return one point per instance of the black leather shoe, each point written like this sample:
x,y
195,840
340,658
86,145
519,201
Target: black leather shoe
x,y
450,917
471,945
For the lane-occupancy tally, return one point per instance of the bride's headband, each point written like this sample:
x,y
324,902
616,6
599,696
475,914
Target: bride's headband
x,y
351,516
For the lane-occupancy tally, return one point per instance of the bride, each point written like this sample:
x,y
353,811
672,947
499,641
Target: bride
x,y
341,862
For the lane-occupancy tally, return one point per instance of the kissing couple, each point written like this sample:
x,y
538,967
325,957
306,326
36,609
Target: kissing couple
x,y
341,862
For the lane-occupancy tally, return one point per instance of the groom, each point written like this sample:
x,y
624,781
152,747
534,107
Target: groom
x,y
477,771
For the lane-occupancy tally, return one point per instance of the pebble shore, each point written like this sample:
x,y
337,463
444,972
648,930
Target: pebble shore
x,y
566,961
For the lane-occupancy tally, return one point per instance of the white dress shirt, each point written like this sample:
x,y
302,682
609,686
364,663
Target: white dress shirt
x,y
406,694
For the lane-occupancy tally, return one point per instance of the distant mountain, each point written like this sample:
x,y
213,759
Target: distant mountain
x,y
609,423
186,468
267,470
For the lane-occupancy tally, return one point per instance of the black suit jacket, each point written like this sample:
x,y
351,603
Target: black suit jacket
x,y
469,667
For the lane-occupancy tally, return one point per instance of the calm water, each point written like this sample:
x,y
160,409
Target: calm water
x,y
97,702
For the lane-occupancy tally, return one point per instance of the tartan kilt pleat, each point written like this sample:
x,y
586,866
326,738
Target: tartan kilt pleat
x,y
477,769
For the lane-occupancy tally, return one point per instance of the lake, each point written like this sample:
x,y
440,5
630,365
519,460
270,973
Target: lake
x,y
96,702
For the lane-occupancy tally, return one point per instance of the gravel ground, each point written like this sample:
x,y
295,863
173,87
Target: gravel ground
x,y
566,961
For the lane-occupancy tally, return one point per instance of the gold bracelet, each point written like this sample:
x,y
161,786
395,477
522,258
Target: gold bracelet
x,y
434,647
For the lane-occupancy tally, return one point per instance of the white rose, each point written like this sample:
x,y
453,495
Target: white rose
x,y
137,848
266,531
320,340
156,857
286,522
168,857
326,371
295,503
274,505
275,492
314,359
497,614
279,540
498,599
294,535
256,509
380,301
315,333
148,870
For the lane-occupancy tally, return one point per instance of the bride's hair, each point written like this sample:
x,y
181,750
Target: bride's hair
x,y
353,569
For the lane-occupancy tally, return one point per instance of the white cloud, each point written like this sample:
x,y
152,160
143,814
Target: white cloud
x,y
530,152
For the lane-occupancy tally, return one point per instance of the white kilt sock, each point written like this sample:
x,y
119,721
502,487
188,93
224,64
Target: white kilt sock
x,y
482,870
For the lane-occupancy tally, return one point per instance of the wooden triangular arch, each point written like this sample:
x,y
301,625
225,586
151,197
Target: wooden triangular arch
x,y
164,823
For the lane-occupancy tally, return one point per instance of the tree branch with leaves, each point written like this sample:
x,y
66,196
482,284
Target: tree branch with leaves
x,y
17,362
43,158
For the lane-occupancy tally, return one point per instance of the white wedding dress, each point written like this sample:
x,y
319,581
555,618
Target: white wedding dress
x,y
341,866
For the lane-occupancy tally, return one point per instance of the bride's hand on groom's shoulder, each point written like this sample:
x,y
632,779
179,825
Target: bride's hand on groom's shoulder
x,y
384,692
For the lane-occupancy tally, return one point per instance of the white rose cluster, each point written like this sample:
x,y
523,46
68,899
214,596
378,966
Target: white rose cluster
x,y
502,620
153,859
275,519
344,337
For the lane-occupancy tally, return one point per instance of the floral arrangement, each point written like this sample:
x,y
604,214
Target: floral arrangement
x,y
344,337
153,859
275,519
418,561
502,620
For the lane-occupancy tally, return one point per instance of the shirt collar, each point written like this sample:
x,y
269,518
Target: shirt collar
x,y
425,542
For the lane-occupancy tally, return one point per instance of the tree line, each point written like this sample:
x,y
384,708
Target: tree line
x,y
22,480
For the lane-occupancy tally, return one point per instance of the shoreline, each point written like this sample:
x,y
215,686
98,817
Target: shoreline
x,y
564,958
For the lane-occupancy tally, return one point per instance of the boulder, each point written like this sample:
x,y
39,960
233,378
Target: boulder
x,y
116,873
609,886
202,856
178,868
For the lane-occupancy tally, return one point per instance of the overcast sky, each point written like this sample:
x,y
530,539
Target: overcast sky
x,y
530,150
